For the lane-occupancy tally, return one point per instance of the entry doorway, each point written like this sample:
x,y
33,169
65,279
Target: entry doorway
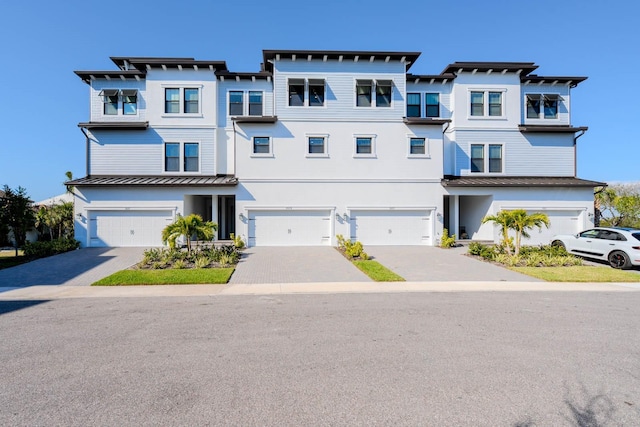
x,y
226,217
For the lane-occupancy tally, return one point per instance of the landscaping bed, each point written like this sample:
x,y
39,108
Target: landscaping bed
x,y
355,253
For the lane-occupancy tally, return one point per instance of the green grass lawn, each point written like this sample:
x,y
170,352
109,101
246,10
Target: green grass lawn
x,y
167,277
579,274
377,271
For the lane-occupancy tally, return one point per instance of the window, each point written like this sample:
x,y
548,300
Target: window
x,y
363,93
129,101
261,145
533,106
236,103
494,163
551,106
477,158
255,103
316,145
417,146
413,105
191,157
383,93
110,100
296,92
432,104
191,101
172,157
477,103
316,92
548,102
495,103
364,146
495,158
171,100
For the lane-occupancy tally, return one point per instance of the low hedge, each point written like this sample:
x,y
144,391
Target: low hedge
x,y
36,250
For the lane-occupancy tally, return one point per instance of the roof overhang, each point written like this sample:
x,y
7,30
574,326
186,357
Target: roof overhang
x,y
430,78
518,181
88,76
155,181
340,55
534,79
551,129
255,119
522,68
424,121
114,125
147,63
231,76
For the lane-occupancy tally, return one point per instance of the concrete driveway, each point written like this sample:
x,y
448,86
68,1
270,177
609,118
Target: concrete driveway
x,y
428,264
76,268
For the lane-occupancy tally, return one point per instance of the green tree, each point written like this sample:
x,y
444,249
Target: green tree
x,y
520,222
191,225
505,220
16,211
619,205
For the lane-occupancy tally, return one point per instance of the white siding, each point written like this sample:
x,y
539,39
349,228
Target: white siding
x,y
444,89
243,85
524,154
142,152
564,116
97,104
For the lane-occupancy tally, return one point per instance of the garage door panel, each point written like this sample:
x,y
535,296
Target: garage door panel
x,y
128,228
560,222
290,228
391,227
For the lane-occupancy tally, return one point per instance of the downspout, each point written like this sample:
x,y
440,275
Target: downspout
x,y
575,153
235,161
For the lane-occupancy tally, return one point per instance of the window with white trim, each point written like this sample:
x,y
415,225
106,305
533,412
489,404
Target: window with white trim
x,y
129,101
181,100
542,106
261,145
414,105
365,89
486,103
364,145
255,103
236,103
317,146
432,104
306,92
486,158
182,157
417,146
110,101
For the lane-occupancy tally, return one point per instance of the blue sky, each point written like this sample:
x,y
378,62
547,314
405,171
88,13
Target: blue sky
x,y
43,42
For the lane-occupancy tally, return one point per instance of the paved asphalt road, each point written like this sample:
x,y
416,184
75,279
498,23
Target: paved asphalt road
x,y
419,359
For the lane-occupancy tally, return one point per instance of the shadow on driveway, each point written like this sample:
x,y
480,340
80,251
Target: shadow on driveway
x,y
75,268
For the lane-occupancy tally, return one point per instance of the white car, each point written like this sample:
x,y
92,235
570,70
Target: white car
x,y
619,246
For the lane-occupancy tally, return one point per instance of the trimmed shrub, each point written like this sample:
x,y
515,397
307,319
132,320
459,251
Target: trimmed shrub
x,y
447,241
44,249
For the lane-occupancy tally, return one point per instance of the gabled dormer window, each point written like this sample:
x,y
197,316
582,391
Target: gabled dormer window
x,y
110,101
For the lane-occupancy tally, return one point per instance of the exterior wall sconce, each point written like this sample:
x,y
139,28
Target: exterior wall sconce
x,y
241,216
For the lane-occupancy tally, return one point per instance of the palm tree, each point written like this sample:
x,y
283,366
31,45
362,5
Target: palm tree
x,y
187,227
523,222
505,221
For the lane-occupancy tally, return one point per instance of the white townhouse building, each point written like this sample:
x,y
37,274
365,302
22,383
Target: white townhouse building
x,y
321,143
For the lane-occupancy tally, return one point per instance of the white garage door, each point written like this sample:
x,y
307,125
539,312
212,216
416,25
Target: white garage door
x,y
127,228
560,222
392,227
289,228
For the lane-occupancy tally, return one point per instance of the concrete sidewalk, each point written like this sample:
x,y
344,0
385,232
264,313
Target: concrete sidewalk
x,y
62,292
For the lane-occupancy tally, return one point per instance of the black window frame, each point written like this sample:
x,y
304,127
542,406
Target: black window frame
x,y
256,108
296,91
129,98
186,158
256,144
423,146
168,158
533,103
492,105
476,164
412,107
236,108
170,104
358,145
366,95
316,92
383,98
495,163
188,104
310,145
430,107
477,105
553,101
110,101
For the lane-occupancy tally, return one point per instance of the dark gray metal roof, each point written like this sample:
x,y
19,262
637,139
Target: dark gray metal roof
x,y
424,121
87,76
228,75
573,81
352,55
155,181
428,78
552,128
142,63
498,67
518,181
114,125
255,119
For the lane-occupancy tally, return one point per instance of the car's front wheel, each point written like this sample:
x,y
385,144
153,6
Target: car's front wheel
x,y
559,244
618,259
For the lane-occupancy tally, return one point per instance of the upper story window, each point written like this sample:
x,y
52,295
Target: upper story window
x,y
492,108
236,103
413,105
185,100
306,92
129,101
172,100
296,92
190,156
432,104
191,100
365,89
486,157
110,101
548,102
255,103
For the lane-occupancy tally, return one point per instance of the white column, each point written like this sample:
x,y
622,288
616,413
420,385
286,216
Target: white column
x,y
214,213
455,211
